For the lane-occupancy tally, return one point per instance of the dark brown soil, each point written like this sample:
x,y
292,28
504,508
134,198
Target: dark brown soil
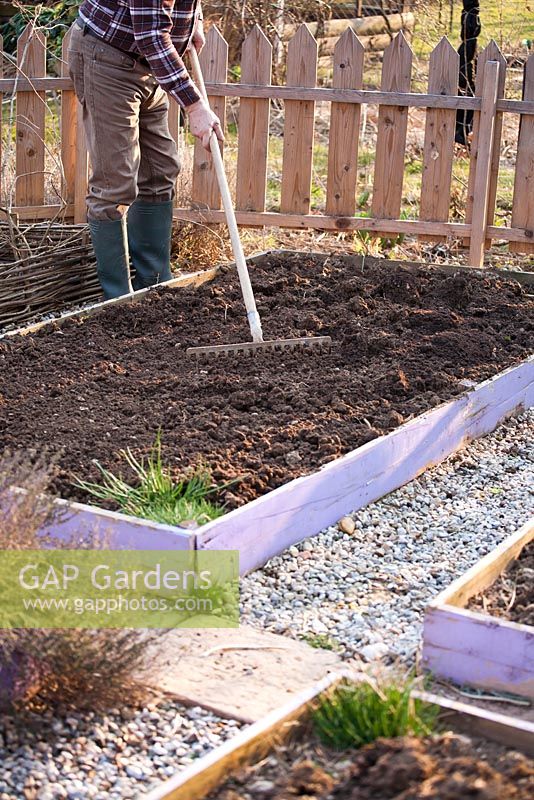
x,y
448,767
403,341
512,594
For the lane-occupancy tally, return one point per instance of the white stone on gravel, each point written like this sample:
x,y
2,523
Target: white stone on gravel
x,y
371,588
122,754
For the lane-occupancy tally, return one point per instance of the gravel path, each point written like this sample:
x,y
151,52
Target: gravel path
x,y
122,754
366,592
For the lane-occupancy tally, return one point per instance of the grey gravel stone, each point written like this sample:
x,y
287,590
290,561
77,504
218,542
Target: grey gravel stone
x,y
87,756
373,585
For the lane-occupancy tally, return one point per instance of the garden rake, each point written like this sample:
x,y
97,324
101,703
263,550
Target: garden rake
x,y
253,317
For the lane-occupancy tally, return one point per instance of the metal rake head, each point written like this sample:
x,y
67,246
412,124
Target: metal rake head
x,y
276,345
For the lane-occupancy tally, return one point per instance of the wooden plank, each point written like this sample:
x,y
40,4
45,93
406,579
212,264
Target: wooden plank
x,y
487,570
490,53
214,63
523,202
391,136
477,721
363,96
307,505
525,107
297,162
414,100
30,121
35,213
344,129
470,648
482,180
69,122
438,150
189,279
322,222
248,673
497,137
253,743
256,66
36,84
81,169
118,531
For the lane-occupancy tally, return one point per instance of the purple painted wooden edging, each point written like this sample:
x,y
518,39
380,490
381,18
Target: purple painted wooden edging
x,y
475,649
115,531
304,506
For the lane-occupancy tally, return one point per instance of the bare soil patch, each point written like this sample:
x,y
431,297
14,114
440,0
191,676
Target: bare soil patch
x,y
512,595
446,767
403,337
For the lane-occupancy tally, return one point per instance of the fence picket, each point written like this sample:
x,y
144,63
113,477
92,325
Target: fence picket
x,y
69,122
256,65
482,183
438,150
490,53
392,128
344,128
214,63
30,121
298,125
523,202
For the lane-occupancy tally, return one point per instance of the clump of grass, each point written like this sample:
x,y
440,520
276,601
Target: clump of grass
x,y
357,714
155,494
322,641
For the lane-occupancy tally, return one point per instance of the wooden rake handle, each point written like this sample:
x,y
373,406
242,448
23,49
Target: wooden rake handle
x,y
242,269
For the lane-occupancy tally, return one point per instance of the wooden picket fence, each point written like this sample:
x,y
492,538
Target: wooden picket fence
x,y
300,95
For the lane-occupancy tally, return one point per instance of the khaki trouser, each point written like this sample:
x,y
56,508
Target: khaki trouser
x,y
131,151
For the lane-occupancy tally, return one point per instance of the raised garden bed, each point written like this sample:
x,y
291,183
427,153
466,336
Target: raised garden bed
x,y
484,648
406,339
263,760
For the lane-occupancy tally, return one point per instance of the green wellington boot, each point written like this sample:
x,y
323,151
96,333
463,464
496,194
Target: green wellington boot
x,y
149,240
110,243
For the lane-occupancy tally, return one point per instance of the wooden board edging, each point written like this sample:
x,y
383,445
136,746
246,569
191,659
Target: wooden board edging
x,y
189,279
474,648
484,572
114,530
474,720
305,506
256,741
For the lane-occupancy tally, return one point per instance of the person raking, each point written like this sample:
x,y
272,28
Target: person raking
x,y
125,58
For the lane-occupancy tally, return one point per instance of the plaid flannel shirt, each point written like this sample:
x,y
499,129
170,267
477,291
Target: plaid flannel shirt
x,y
159,30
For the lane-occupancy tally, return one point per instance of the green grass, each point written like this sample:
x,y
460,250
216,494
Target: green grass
x,y
509,22
155,494
357,714
321,641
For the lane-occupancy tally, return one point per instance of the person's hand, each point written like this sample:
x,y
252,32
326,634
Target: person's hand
x,y
198,40
202,121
